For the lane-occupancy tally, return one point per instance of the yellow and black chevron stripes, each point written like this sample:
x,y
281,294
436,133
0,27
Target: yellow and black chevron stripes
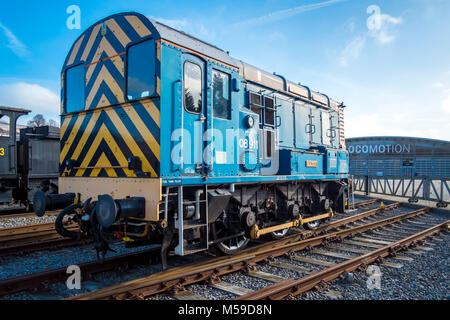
x,y
100,141
121,30
104,77
138,26
103,163
103,54
88,47
118,32
75,50
105,47
158,59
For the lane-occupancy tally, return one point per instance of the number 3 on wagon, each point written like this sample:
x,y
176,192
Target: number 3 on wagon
x,y
2,152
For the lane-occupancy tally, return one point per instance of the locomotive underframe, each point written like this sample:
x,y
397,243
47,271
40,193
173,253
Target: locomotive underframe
x,y
230,212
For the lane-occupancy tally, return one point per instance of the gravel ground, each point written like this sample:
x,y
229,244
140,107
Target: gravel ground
x,y
427,277
24,221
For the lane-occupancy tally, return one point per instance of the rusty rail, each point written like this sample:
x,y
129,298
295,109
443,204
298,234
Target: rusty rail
x,y
365,202
42,279
31,238
292,287
177,278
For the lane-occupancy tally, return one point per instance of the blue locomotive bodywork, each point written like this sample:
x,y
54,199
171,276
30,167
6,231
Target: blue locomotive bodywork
x,y
150,112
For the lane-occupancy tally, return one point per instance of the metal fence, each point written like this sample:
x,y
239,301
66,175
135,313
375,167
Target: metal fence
x,y
413,188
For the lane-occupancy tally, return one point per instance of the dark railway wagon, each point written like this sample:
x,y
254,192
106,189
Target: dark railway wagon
x,y
28,162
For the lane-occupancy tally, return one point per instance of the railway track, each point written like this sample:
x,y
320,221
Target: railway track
x,y
176,280
40,279
25,239
290,288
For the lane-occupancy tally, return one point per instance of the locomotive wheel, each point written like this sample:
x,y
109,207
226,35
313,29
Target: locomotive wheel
x,y
231,246
312,225
279,234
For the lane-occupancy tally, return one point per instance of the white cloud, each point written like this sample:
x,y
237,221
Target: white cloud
x,y
381,25
351,26
396,124
14,43
30,96
352,50
446,105
277,37
287,13
438,85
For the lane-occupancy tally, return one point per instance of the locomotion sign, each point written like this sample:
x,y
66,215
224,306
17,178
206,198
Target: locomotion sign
x,y
379,148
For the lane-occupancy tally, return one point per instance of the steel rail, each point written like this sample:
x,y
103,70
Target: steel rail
x,y
177,278
365,203
292,287
38,280
31,238
29,233
24,232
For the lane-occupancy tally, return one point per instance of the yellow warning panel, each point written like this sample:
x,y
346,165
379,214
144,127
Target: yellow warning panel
x,y
118,188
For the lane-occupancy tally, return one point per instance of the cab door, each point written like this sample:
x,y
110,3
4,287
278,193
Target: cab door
x,y
193,115
220,152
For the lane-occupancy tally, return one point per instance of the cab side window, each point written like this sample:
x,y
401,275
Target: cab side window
x,y
75,83
141,70
221,95
193,83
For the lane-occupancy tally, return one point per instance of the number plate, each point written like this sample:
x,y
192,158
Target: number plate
x,y
311,164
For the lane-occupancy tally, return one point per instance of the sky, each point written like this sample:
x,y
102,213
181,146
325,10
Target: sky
x,y
387,60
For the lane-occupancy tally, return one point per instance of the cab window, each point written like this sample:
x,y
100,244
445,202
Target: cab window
x,y
221,95
255,104
75,83
269,111
193,87
141,70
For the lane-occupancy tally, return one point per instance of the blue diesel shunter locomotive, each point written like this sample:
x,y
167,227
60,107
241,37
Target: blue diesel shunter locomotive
x,y
167,139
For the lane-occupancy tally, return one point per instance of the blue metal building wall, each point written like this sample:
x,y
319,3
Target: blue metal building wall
x,y
416,168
